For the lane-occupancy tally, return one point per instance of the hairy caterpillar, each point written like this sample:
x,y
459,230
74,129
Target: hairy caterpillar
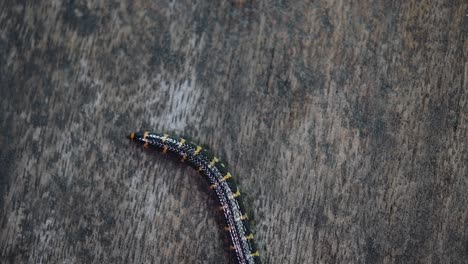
x,y
221,182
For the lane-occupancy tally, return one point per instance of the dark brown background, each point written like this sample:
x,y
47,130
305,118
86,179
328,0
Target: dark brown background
x,y
345,123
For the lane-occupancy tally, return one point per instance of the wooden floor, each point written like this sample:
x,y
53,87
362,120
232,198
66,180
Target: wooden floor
x,y
344,122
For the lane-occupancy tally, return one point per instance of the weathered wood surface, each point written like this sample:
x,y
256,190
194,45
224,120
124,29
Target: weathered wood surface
x,y
345,123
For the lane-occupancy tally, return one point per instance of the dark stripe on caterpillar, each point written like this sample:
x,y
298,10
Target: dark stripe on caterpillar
x,y
221,182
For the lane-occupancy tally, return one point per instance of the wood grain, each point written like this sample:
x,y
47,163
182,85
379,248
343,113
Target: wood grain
x,y
345,123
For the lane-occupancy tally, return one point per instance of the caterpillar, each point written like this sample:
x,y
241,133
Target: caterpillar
x,y
221,182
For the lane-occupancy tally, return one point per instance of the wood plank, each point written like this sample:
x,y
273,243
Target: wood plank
x,y
345,124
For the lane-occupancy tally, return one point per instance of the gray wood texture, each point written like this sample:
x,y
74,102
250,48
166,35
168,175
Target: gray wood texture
x,y
345,123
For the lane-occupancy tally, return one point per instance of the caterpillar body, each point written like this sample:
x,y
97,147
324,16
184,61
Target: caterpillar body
x,y
221,182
